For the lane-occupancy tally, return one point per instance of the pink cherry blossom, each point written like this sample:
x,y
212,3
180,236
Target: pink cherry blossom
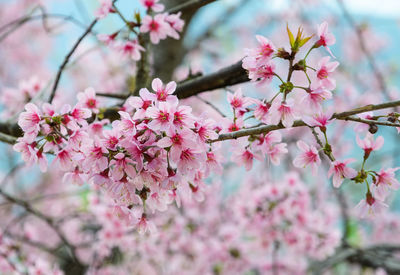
x,y
130,49
161,115
264,73
309,156
157,26
121,165
276,152
29,120
176,24
152,5
64,159
315,96
104,9
256,57
284,112
369,144
320,120
163,93
238,102
324,71
87,99
340,171
95,158
325,37
385,180
370,207
177,141
262,110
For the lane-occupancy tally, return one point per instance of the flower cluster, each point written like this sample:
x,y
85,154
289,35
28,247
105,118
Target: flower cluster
x,y
281,110
155,154
158,25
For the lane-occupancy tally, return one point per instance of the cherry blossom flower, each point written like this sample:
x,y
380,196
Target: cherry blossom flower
x,y
177,141
315,96
162,117
325,38
152,5
238,102
141,103
106,6
121,165
64,159
130,49
262,110
276,151
157,26
87,99
384,180
264,73
95,158
340,171
176,24
284,112
107,39
368,144
29,121
370,207
324,70
260,55
163,93
320,120
309,156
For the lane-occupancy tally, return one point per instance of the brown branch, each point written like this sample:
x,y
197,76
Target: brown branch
x,y
378,256
211,105
299,123
227,76
193,4
14,25
66,59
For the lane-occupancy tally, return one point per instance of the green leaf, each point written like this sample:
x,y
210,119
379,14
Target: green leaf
x,y
291,37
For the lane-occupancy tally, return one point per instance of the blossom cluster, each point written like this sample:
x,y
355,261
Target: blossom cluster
x,y
156,153
158,25
280,108
296,101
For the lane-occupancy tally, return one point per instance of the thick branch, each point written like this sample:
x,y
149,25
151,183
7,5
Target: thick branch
x,y
228,76
375,257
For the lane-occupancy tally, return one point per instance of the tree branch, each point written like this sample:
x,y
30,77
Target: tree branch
x,y
299,123
377,256
66,59
193,4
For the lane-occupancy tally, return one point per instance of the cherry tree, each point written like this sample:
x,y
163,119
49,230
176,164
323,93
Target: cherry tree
x,y
131,157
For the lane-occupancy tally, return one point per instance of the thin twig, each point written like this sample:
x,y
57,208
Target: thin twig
x,y
66,59
211,105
